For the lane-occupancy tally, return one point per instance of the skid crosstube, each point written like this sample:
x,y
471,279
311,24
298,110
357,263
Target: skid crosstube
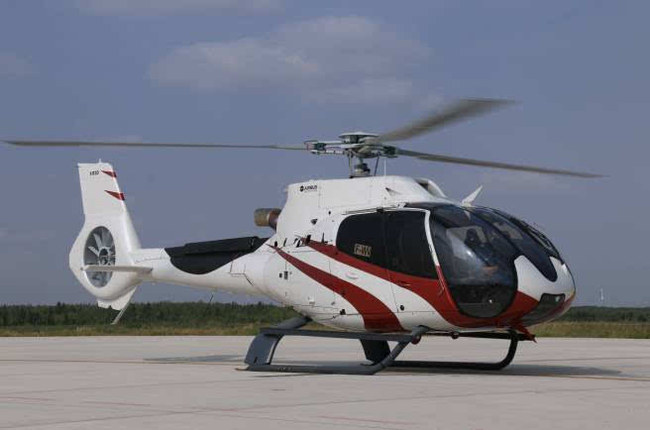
x,y
375,345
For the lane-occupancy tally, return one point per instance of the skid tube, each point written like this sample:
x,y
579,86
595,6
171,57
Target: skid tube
x,y
375,345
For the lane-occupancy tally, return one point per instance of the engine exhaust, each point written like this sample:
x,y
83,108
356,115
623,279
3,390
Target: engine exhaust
x,y
267,217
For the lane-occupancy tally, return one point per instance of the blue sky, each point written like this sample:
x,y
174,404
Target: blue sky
x,y
283,71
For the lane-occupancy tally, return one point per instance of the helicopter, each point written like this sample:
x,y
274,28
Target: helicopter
x,y
382,259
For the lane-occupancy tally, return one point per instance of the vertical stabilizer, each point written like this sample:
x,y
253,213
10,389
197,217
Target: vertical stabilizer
x,y
107,238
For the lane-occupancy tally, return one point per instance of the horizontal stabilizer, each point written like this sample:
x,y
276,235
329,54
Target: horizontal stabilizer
x,y
125,269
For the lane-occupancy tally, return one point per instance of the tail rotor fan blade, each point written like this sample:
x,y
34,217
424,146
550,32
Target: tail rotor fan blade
x,y
100,248
98,240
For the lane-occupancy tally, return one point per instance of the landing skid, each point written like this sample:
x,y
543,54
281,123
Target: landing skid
x,y
375,345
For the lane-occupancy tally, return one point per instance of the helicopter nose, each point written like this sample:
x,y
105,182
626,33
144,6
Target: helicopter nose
x,y
553,296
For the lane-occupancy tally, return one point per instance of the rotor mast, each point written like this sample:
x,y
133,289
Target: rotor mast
x,y
357,146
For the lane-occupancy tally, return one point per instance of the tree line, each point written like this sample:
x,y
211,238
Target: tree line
x,y
190,314
201,314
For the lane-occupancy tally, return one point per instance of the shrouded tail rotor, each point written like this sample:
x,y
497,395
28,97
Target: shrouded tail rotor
x,y
99,251
101,256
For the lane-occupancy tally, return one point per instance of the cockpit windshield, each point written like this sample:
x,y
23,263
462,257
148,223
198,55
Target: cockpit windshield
x,y
476,259
476,248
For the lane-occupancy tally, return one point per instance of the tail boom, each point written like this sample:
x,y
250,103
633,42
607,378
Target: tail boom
x,y
107,259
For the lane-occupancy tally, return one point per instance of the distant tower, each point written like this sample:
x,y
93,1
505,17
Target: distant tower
x,y
602,297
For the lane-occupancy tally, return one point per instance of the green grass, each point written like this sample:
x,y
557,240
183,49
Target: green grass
x,y
205,319
626,330
141,319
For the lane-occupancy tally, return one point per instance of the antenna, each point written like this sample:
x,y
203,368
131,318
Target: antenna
x,y
602,297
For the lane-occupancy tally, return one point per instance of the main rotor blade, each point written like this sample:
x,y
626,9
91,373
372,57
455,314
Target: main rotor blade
x,y
494,164
454,112
40,143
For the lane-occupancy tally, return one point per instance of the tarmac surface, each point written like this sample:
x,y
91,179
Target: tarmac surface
x,y
197,382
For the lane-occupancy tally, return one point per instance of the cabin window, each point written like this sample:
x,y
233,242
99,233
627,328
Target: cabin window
x,y
362,237
407,247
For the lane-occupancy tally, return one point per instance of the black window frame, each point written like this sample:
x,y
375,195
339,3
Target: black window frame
x,y
426,269
346,246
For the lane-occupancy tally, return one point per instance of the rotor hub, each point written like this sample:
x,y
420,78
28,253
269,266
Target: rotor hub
x,y
357,137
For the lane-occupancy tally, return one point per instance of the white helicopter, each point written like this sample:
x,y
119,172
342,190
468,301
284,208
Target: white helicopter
x,y
379,258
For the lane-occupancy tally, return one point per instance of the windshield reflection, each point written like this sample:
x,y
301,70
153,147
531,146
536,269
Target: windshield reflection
x,y
476,259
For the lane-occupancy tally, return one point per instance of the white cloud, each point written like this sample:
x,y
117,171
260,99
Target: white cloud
x,y
380,90
224,65
172,7
12,65
323,59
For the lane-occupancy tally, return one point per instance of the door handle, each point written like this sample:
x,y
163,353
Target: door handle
x,y
403,283
352,275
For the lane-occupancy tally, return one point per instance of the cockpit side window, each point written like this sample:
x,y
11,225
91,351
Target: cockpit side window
x,y
362,236
407,246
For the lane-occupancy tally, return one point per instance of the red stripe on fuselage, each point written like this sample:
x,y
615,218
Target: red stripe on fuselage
x,y
434,291
110,173
119,196
376,315
426,288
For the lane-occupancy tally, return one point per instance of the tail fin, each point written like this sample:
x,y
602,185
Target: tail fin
x,y
107,238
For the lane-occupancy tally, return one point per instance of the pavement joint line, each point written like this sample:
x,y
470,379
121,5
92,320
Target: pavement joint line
x,y
90,420
112,387
259,407
266,417
448,396
367,420
583,359
167,413
394,372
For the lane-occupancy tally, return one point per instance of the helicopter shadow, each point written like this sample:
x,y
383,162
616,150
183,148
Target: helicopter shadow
x,y
543,370
202,359
522,369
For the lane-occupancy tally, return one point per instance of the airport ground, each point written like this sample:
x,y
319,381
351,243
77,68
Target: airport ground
x,y
197,382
